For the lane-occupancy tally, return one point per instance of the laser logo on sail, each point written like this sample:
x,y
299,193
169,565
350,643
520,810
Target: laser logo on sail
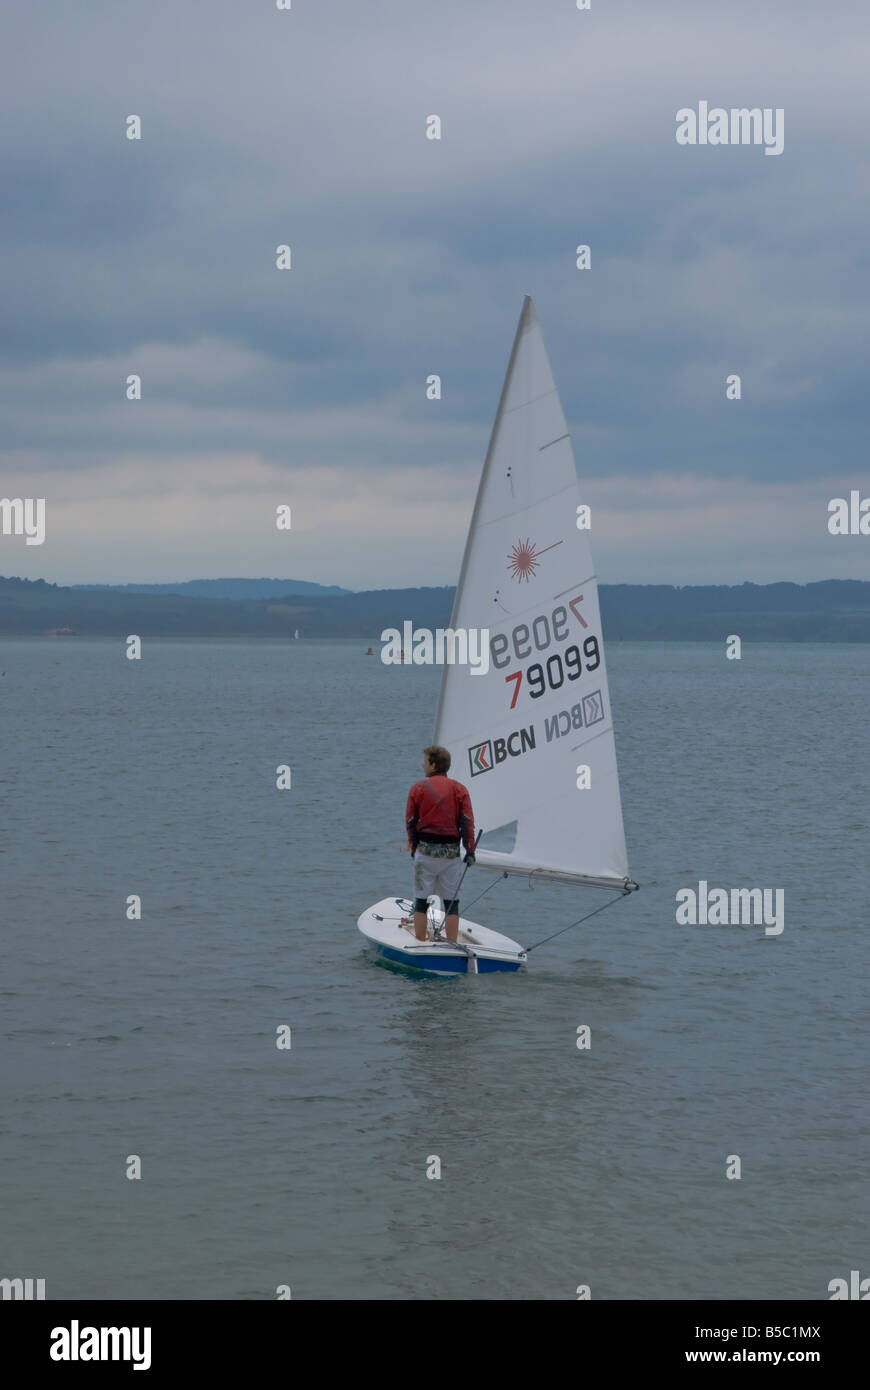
x,y
483,757
523,559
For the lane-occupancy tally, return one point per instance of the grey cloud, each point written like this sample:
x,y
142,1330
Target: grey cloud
x,y
412,257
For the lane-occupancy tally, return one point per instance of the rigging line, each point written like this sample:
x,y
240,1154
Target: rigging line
x,y
430,918
577,923
468,906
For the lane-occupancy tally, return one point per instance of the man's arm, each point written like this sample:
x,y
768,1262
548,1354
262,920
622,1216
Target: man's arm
x,y
466,819
411,817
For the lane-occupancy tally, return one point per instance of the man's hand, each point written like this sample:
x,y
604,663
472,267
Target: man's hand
x,y
470,859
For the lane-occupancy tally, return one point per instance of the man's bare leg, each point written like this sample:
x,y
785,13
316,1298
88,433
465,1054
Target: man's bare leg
x,y
452,926
421,925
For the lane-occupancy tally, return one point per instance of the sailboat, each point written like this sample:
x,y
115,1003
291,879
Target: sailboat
x,y
532,738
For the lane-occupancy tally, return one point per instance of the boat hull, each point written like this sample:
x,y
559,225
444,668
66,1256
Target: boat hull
x,y
481,951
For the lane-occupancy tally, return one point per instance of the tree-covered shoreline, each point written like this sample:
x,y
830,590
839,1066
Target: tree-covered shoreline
x,y
833,610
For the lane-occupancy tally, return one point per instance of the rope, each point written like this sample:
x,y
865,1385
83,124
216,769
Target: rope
x,y
467,906
577,923
527,949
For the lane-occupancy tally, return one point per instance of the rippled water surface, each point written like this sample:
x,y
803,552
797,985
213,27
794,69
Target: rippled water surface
x,y
308,1167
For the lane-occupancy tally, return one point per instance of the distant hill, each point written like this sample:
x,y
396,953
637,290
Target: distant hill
x,y
223,588
833,610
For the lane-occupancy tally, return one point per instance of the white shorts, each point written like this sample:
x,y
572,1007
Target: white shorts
x,y
439,876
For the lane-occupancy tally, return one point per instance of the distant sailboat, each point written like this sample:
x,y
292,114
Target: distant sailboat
x,y
296,635
533,738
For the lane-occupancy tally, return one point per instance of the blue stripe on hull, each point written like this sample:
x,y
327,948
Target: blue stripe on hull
x,y
454,965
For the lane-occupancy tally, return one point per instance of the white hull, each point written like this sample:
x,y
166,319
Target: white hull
x,y
389,926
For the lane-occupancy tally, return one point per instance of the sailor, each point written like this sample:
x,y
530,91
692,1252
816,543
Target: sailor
x,y
438,817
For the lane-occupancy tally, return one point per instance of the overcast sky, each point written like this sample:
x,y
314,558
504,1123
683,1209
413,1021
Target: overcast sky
x,y
411,257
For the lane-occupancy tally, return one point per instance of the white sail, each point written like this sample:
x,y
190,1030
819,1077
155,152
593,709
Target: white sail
x,y
520,735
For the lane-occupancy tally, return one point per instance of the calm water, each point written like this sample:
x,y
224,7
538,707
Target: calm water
x,y
307,1167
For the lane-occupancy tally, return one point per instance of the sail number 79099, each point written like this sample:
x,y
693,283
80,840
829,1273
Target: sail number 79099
x,y
543,631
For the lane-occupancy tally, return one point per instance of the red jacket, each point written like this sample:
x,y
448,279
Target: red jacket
x,y
439,809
